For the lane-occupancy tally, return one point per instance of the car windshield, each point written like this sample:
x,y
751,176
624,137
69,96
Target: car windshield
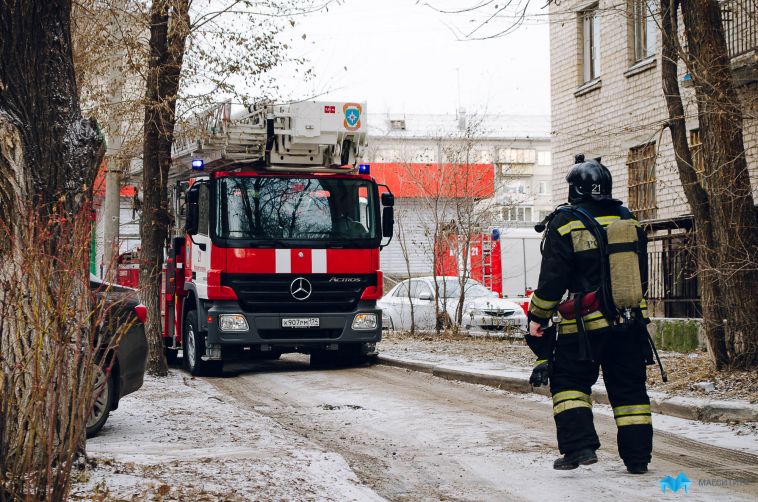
x,y
297,208
450,288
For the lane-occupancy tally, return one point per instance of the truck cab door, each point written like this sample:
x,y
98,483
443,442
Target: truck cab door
x,y
200,245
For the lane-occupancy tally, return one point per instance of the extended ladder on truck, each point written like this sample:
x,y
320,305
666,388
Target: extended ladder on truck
x,y
486,264
306,136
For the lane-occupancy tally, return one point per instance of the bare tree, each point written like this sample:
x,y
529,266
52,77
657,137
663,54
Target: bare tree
x,y
455,199
727,253
406,248
169,28
48,158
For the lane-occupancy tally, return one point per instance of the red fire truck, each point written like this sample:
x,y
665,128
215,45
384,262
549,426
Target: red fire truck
x,y
277,239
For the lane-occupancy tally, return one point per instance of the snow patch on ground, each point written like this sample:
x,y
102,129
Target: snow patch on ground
x,y
177,438
738,436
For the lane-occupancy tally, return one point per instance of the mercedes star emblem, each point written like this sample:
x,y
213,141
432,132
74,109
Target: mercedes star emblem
x,y
301,288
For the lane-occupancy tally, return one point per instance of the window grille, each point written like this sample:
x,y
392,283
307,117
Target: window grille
x,y
696,150
641,166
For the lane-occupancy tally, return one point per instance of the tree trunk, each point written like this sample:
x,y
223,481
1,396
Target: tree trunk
x,y
169,27
48,159
722,206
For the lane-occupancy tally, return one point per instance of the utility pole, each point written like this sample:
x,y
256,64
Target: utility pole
x,y
112,204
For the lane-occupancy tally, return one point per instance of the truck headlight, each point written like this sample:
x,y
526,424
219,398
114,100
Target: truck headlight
x,y
364,321
232,322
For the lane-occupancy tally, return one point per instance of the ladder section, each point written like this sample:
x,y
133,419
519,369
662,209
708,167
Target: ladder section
x,y
313,136
486,262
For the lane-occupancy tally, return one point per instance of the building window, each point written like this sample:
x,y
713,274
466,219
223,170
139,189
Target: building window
x,y
641,165
542,188
517,155
515,188
696,150
643,20
590,43
543,214
544,158
517,214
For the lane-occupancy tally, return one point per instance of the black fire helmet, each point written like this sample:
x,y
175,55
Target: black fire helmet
x,y
589,180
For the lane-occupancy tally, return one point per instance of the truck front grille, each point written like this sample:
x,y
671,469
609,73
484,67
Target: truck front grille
x,y
270,293
298,334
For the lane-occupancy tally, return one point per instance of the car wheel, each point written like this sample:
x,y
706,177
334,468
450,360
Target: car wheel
x,y
193,349
102,398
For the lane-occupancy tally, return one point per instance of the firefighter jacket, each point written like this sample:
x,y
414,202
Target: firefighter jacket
x,y
571,262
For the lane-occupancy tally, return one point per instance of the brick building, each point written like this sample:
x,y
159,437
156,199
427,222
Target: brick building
x,y
607,101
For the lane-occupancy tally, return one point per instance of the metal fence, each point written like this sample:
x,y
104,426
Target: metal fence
x,y
740,18
673,289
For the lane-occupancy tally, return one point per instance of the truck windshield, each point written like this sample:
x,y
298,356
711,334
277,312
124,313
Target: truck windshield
x,y
323,209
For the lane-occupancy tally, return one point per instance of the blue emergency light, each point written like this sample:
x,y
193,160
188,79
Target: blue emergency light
x,y
198,164
364,169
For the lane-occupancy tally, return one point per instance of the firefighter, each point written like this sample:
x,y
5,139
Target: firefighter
x,y
601,324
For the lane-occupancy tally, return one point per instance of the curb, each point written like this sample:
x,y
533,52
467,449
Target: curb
x,y
703,410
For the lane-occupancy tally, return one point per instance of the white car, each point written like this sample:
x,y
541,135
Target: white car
x,y
482,309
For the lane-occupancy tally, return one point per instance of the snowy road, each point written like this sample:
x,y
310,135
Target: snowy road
x,y
411,436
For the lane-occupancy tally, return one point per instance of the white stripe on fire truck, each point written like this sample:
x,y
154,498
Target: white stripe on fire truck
x,y
318,261
283,261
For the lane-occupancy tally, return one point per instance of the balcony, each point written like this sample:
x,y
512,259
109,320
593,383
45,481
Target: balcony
x,y
740,18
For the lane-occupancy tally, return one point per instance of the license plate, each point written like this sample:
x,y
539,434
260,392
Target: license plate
x,y
301,322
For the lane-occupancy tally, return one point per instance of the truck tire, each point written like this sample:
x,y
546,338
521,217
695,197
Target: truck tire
x,y
193,348
102,400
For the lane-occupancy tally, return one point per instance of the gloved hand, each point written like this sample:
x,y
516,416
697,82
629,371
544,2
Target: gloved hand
x,y
541,373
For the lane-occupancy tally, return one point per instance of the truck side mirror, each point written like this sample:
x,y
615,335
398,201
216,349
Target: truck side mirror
x,y
191,221
388,200
388,220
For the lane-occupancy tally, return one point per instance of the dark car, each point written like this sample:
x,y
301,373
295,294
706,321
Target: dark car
x,y
128,361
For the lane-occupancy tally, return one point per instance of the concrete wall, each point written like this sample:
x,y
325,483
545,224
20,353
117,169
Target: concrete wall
x,y
680,335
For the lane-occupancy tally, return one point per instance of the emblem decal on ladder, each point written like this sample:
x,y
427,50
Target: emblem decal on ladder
x,y
352,113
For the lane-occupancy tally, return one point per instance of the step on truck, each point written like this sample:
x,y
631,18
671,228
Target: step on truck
x,y
276,239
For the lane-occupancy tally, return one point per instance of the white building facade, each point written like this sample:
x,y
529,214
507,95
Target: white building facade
x,y
516,150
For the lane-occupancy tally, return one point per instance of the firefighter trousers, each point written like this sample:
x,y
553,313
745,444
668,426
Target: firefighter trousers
x,y
620,352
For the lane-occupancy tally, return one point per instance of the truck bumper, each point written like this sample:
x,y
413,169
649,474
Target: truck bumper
x,y
265,331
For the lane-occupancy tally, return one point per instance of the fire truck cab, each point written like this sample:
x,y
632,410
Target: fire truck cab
x,y
277,239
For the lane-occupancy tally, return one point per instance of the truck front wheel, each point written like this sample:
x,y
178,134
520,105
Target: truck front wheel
x,y
193,348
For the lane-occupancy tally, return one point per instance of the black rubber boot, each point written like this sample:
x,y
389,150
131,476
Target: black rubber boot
x,y
575,459
637,468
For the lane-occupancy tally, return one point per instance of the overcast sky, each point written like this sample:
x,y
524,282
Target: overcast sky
x,y
402,56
